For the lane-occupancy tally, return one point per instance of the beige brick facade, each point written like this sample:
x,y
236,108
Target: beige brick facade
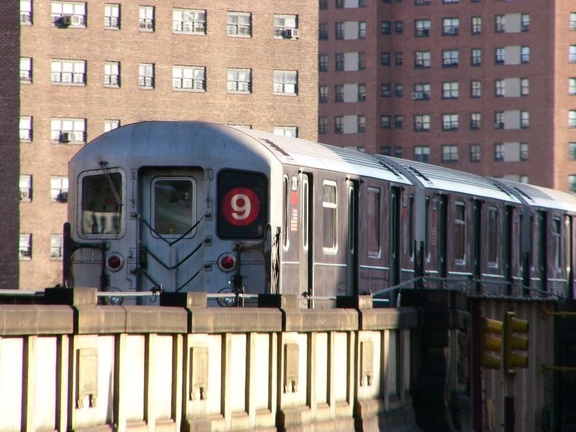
x,y
92,45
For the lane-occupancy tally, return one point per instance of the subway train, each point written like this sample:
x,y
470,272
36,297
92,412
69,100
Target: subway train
x,y
187,206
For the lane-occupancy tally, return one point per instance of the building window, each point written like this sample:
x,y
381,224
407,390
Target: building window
x,y
69,14
449,153
500,55
421,91
362,30
112,16
385,122
146,18
189,21
524,86
498,152
423,2
476,57
572,119
286,27
323,31
239,24
287,131
339,124
322,125
525,54
385,90
572,150
399,27
25,247
498,120
68,131
422,153
286,82
70,72
525,22
572,183
339,4
572,54
450,1
323,62
476,25
450,26
385,27
450,58
26,12
56,246
25,69
146,76
474,152
398,58
450,90
499,23
111,124
59,189
112,74
475,89
499,88
475,120
385,58
239,81
189,78
422,59
523,151
323,4
399,90
524,119
422,28
398,121
361,92
572,21
361,61
385,150
323,94
422,123
572,86
25,184
449,122
339,59
338,93
25,128
361,124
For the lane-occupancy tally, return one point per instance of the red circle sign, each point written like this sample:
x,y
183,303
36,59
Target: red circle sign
x,y
241,206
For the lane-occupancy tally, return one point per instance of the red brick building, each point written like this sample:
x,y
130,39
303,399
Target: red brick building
x,y
89,66
487,86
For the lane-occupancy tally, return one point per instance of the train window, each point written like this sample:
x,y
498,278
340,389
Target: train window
x,y
287,210
492,236
411,227
101,204
329,206
460,232
173,200
373,222
305,211
557,243
242,209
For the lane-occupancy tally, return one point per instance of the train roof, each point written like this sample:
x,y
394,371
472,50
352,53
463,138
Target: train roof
x,y
542,197
450,180
299,152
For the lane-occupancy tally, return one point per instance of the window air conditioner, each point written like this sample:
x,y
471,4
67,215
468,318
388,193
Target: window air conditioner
x,y
66,20
66,137
291,33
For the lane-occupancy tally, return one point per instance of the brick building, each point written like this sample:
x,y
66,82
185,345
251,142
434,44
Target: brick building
x,y
89,66
486,86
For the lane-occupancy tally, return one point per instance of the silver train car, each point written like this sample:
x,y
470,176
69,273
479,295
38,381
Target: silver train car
x,y
195,206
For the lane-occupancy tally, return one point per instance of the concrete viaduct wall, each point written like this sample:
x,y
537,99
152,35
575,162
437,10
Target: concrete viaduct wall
x,y
74,365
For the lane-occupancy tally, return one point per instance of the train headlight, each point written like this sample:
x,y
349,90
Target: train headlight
x,y
226,262
113,300
114,261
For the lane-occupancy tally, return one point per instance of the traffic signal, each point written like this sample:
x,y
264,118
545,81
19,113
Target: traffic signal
x,y
515,342
491,346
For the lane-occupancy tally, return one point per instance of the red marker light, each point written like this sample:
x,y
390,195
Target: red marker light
x,y
226,262
114,262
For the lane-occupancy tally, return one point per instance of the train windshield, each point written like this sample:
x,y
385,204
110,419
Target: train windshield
x,y
173,206
102,203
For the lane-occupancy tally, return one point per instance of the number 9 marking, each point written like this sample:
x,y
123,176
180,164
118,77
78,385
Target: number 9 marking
x,y
241,206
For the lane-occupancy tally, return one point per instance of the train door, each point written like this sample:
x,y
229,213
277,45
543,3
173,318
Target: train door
x,y
395,226
305,244
169,229
477,234
352,260
442,243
